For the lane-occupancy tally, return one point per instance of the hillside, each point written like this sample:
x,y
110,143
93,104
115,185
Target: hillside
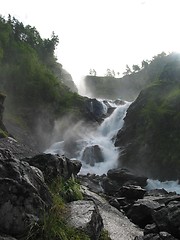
x,y
129,86
150,137
34,83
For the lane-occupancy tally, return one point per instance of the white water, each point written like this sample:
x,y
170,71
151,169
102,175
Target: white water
x,y
101,137
169,186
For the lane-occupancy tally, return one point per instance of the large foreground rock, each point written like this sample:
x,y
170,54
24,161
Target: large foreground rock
x,y
54,166
23,195
84,215
115,222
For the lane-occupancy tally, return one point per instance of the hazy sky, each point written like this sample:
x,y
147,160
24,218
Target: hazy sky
x,y
102,34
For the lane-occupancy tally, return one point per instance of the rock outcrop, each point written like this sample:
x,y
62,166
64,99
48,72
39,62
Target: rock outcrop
x,y
116,178
84,215
149,139
115,222
92,155
54,166
24,195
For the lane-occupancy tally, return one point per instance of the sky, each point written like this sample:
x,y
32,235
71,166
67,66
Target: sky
x,y
102,34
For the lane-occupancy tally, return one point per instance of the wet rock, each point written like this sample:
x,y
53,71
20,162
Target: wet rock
x,y
23,195
168,218
119,102
141,211
85,215
131,192
95,109
166,236
150,228
125,176
18,149
54,166
92,181
110,187
92,155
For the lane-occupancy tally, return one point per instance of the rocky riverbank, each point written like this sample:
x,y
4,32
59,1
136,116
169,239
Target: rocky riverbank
x,y
117,201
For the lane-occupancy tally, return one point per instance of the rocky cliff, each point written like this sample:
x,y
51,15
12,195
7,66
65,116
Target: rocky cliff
x,y
150,137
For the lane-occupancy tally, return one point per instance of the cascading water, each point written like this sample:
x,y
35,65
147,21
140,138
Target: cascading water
x,y
169,186
96,149
103,138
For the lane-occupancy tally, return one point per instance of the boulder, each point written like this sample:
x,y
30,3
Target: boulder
x,y
84,215
54,166
131,192
124,176
110,186
150,228
92,155
168,218
141,211
95,109
23,195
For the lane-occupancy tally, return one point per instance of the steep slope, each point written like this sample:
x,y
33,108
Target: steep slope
x,y
129,86
150,138
36,96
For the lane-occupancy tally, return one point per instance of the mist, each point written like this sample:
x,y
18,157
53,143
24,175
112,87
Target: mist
x,y
92,145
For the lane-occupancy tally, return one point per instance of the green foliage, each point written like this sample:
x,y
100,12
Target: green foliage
x,y
104,235
159,129
53,226
69,189
3,134
129,86
27,75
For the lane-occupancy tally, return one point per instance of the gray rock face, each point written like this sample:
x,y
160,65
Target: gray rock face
x,y
125,176
168,218
148,137
115,222
85,215
54,166
95,109
23,195
18,149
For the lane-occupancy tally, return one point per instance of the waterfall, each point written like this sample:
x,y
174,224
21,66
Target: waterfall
x,y
96,149
103,137
169,186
